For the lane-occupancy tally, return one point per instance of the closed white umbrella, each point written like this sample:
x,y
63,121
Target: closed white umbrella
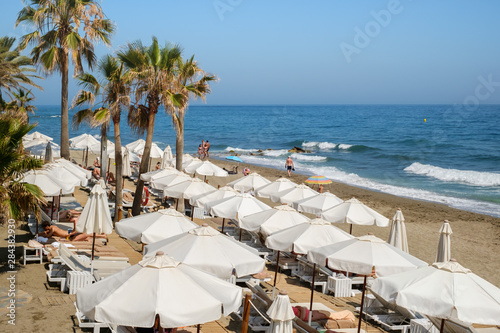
x,y
249,183
95,217
211,251
296,193
179,294
188,189
354,211
397,235
280,184
236,207
206,168
362,255
317,204
167,155
48,154
272,220
281,314
444,245
153,227
170,180
221,193
444,290
126,169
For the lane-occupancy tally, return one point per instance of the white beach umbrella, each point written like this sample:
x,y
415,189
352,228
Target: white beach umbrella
x,y
39,147
236,207
444,245
272,220
280,184
221,193
95,217
83,141
179,294
306,236
42,179
170,180
156,174
188,189
397,235
296,193
139,145
249,183
443,290
362,255
317,204
185,159
153,227
75,169
210,251
37,136
354,211
186,163
281,314
96,148
136,144
61,174
206,168
167,156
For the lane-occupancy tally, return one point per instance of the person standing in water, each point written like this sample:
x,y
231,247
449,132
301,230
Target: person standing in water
x,y
289,166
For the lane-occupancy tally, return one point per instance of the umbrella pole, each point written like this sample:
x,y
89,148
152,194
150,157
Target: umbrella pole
x,y
93,245
362,301
350,231
246,314
192,212
240,235
52,209
312,295
198,328
87,157
223,220
276,272
442,325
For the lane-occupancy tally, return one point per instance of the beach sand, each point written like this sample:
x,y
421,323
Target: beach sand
x,y
475,244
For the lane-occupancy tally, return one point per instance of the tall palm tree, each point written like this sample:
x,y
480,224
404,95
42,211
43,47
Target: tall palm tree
x,y
15,69
114,90
191,81
16,198
64,30
152,69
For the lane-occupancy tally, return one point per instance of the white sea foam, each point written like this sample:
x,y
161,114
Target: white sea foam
x,y
344,146
475,178
275,153
319,145
241,150
309,144
308,158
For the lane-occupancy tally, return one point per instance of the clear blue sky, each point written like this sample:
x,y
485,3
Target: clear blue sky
x,y
298,52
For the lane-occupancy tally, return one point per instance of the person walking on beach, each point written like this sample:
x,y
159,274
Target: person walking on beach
x,y
207,148
289,166
202,149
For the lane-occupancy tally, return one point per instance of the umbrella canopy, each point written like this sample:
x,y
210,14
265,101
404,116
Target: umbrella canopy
x,y
84,141
167,155
110,148
95,217
397,236
75,169
234,158
236,207
210,251
50,186
61,175
170,180
281,314
156,174
306,236
39,148
154,227
443,290
206,168
186,163
136,144
318,180
361,254
444,245
204,198
317,204
249,183
139,145
37,136
188,189
273,188
293,194
181,295
354,211
272,220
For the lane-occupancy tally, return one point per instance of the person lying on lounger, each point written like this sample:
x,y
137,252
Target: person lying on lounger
x,y
53,230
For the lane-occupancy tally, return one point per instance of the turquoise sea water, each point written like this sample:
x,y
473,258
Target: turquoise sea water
x,y
440,153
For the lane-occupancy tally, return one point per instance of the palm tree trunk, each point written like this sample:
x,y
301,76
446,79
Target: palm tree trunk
x,y
179,142
64,108
118,170
136,207
104,153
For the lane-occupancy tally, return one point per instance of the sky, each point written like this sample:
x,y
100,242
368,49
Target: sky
x,y
315,52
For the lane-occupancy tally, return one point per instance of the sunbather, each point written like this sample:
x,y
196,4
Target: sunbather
x,y
53,230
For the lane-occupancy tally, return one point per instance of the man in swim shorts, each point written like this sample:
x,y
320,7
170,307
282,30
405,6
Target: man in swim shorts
x,y
289,166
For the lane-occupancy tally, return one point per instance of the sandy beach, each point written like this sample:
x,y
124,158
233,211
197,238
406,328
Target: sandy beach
x,y
475,244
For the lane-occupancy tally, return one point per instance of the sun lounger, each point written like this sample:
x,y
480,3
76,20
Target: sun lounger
x,y
84,322
457,326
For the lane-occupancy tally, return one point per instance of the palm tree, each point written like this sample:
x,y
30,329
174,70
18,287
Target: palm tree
x,y
58,26
16,198
190,81
114,91
153,71
15,69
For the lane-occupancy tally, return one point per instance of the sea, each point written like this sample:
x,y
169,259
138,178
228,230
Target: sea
x,y
448,154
